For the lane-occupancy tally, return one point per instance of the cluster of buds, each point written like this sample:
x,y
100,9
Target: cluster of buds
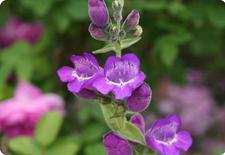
x,y
105,29
120,87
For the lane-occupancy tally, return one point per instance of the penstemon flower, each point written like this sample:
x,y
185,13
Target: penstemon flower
x,y
164,136
121,76
81,77
120,87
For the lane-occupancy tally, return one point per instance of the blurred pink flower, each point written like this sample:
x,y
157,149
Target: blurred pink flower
x,y
193,102
20,114
15,30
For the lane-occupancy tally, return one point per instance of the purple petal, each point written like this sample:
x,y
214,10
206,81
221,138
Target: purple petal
x,y
87,94
140,98
138,121
98,33
138,81
175,120
132,58
102,86
98,12
116,145
65,74
110,62
91,58
170,150
75,86
122,92
184,140
152,143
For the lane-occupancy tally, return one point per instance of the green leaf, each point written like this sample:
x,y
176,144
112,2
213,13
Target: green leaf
x,y
112,47
114,123
63,146
24,146
132,133
77,9
93,133
107,48
129,42
95,149
48,128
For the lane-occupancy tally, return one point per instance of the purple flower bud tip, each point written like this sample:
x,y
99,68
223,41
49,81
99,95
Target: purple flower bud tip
x,y
85,71
132,20
138,121
140,98
98,12
164,136
98,33
121,76
116,145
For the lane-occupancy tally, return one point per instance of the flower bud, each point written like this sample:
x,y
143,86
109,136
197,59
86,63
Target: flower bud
x,y
132,20
98,33
140,98
138,31
116,5
98,12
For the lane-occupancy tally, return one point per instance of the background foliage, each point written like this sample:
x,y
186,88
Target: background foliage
x,y
178,34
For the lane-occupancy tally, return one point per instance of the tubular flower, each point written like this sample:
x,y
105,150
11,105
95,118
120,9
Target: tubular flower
x,y
20,114
164,136
121,76
98,12
116,145
82,75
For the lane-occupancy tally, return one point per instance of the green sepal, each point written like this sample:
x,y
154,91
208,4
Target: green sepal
x,y
120,125
113,47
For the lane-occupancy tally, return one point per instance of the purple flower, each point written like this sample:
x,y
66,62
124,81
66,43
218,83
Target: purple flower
x,y
121,76
81,77
18,30
20,114
132,20
138,121
98,33
164,136
140,98
98,12
116,145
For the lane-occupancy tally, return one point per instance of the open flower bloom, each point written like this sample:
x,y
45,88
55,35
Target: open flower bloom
x,y
98,12
121,76
82,75
116,145
18,30
140,98
20,114
164,136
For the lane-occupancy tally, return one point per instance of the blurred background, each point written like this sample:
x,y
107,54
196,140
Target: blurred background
x,y
182,53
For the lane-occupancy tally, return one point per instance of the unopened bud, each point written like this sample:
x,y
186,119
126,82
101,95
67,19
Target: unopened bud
x,y
122,34
98,12
138,31
116,5
98,33
132,20
117,16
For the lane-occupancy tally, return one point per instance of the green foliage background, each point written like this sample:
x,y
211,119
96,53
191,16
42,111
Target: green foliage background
x,y
178,34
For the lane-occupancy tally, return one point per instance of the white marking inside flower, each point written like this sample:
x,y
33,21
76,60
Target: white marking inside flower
x,y
1,153
169,142
80,77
